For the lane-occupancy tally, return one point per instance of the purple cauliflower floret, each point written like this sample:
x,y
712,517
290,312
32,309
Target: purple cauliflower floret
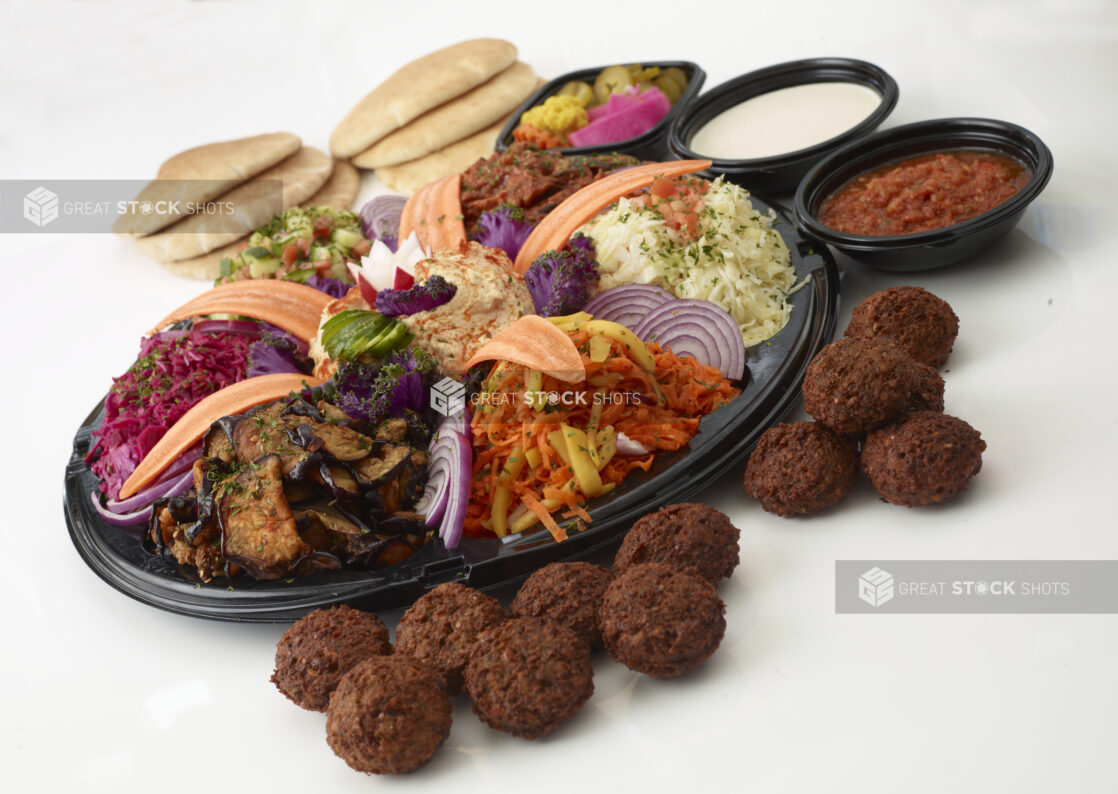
x,y
561,282
431,294
504,227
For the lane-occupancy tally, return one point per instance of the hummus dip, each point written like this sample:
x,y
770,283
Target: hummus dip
x,y
489,297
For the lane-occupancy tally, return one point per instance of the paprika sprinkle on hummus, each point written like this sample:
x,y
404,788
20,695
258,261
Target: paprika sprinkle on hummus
x,y
931,191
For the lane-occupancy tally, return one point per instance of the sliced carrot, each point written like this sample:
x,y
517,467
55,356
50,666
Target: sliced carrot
x,y
558,225
444,214
192,425
537,344
413,211
435,214
293,307
545,518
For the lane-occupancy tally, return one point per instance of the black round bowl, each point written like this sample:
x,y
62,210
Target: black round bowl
x,y
650,145
939,247
781,173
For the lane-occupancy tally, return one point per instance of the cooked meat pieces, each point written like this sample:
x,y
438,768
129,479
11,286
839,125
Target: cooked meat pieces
x,y
388,715
800,468
855,385
926,457
441,627
527,676
928,394
568,593
683,535
921,323
661,621
320,648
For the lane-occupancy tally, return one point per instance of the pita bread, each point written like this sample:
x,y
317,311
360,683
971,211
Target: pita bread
x,y
302,174
340,189
418,87
207,266
409,177
338,193
459,118
208,171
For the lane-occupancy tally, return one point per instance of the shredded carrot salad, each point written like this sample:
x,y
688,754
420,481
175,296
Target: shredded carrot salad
x,y
543,446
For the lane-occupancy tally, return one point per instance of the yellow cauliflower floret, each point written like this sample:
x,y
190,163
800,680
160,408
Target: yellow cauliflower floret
x,y
560,115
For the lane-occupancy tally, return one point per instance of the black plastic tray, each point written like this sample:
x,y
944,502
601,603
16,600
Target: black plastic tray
x,y
649,145
725,437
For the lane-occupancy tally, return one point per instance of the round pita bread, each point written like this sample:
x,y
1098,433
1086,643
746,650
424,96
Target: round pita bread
x,y
207,266
457,119
301,174
418,87
407,178
340,189
338,193
206,172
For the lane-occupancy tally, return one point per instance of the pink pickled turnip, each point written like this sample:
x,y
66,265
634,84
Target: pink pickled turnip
x,y
633,116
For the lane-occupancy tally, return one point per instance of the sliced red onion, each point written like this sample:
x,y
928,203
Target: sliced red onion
x,y
627,304
380,217
629,448
120,519
700,329
174,333
171,478
461,421
437,490
245,327
175,486
458,499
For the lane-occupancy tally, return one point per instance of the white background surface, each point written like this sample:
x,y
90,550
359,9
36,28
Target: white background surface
x,y
101,693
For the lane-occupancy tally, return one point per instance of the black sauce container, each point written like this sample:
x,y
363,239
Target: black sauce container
x,y
779,174
650,145
938,247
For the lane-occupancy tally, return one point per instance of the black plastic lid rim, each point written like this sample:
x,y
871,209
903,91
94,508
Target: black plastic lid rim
x,y
772,78
640,145
942,135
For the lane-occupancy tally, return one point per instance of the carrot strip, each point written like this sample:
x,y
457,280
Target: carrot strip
x,y
293,307
434,212
673,399
545,518
413,210
192,425
558,225
537,344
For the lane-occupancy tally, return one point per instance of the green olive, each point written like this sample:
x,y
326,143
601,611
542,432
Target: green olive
x,y
612,80
670,86
676,74
579,90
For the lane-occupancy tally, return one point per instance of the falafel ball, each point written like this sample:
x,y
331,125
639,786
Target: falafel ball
x,y
528,675
924,458
320,648
568,593
856,384
800,468
388,715
689,535
922,323
661,621
440,628
928,394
